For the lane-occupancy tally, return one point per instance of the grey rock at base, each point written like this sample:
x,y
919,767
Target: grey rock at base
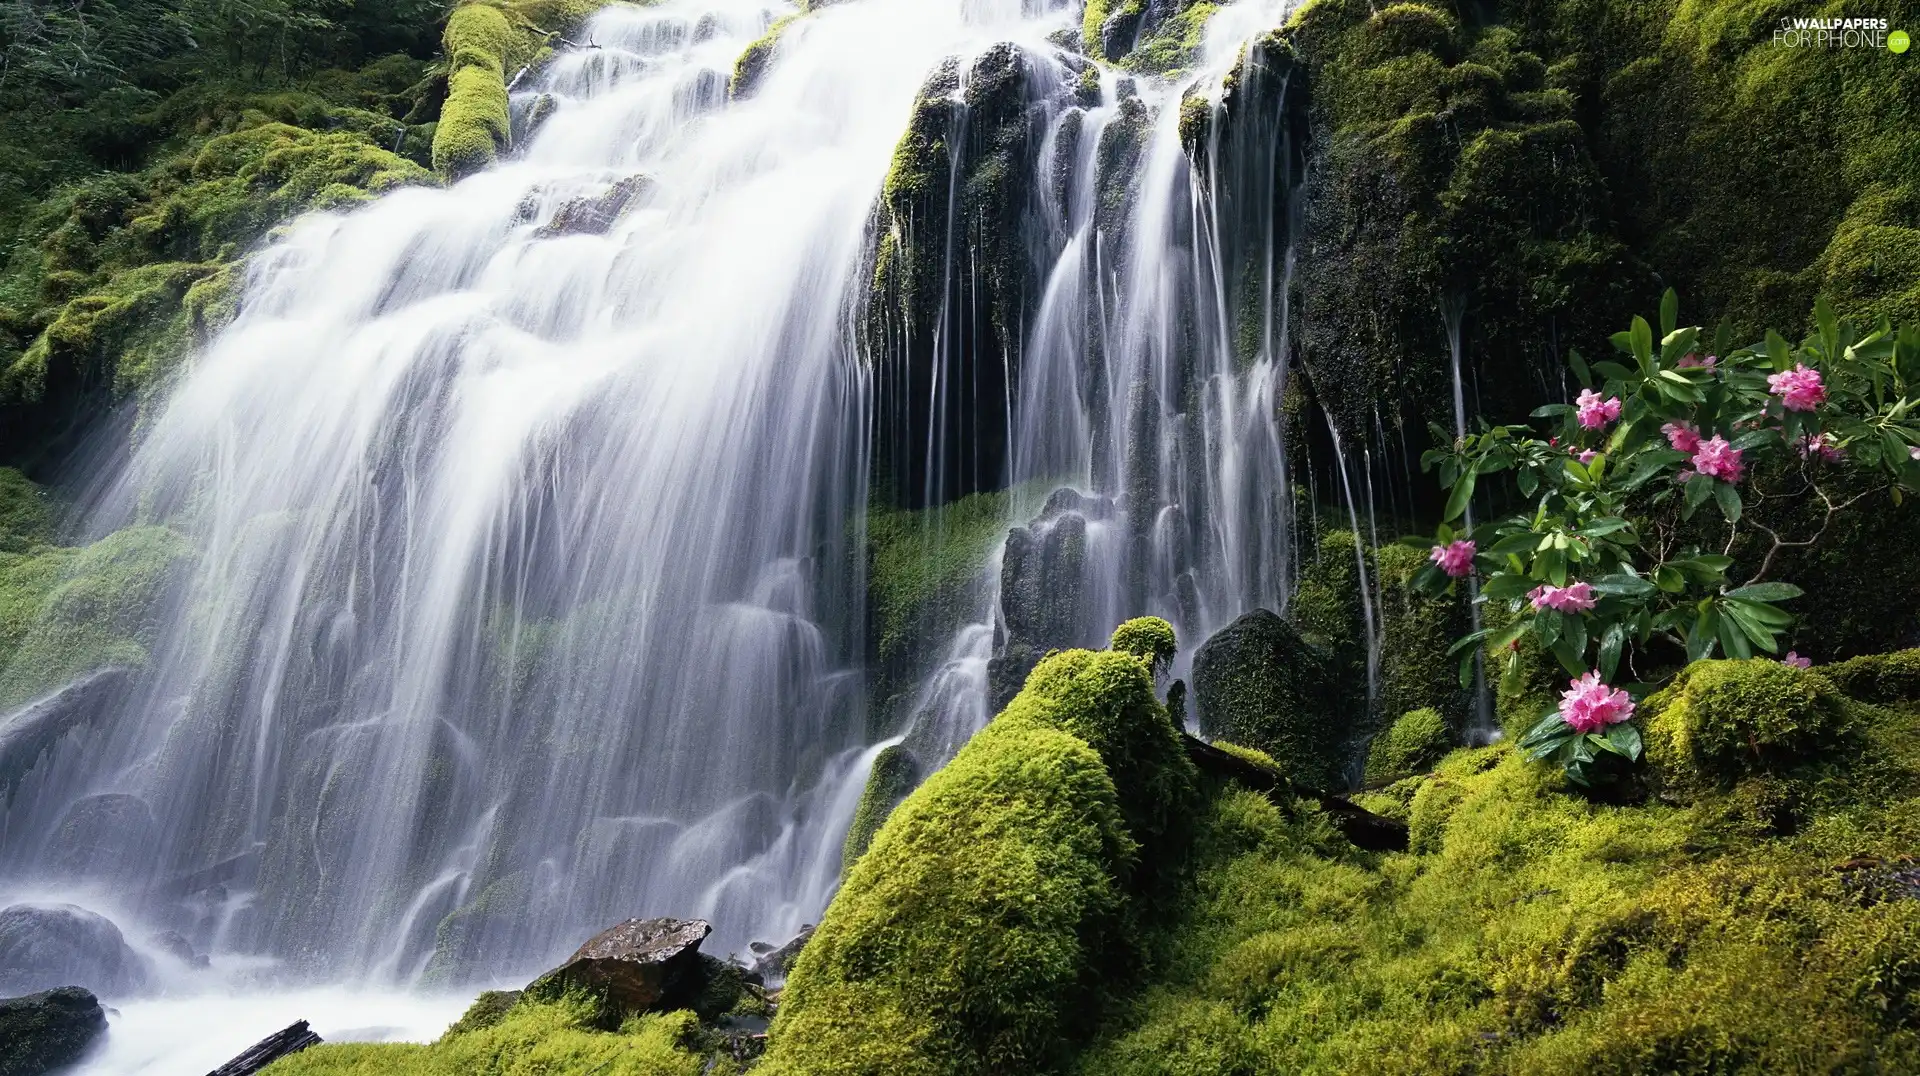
x,y
98,836
31,731
45,1032
637,965
595,214
772,963
47,945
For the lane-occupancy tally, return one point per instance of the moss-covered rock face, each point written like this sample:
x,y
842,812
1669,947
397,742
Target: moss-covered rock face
x,y
1721,721
954,278
1409,746
1256,682
48,1031
68,611
1148,638
487,43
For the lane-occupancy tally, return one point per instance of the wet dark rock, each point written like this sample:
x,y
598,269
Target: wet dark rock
x,y
1258,684
1042,591
31,731
47,945
291,1039
48,1031
99,835
594,214
639,965
175,944
772,962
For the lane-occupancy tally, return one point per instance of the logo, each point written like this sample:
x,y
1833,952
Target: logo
x,y
1796,33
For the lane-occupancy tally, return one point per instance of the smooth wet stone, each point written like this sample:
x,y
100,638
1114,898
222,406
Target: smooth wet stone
x,y
637,965
43,946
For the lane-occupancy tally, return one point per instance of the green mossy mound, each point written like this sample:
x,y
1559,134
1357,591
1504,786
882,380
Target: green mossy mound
x,y
1148,638
975,933
1410,746
1721,721
529,1039
1256,682
487,43
1532,931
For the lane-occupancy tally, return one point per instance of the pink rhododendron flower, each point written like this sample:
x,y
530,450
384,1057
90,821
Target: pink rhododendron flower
x,y
1799,389
1692,359
1797,661
1454,558
1573,598
1596,412
1591,706
1586,456
1819,444
1682,436
1717,458
1913,452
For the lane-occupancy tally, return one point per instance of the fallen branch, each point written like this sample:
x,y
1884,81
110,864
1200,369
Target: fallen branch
x,y
291,1039
1376,833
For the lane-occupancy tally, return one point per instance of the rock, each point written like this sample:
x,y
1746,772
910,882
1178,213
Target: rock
x,y
45,1032
32,730
176,945
637,966
487,1010
291,1039
772,963
594,214
1042,590
47,945
97,836
1256,683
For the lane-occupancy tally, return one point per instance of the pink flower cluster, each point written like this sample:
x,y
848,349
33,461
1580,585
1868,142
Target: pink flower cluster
x,y
1913,452
1573,598
1454,558
1717,458
1596,412
1591,705
1799,389
1692,359
1682,436
1797,661
1586,455
1822,445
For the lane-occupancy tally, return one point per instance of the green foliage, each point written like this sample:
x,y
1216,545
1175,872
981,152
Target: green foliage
x,y
753,62
64,612
1174,43
1721,721
474,123
894,773
1149,638
1534,932
1882,678
1410,745
531,1039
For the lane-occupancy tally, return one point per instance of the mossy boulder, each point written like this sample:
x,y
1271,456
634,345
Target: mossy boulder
x,y
1882,678
487,42
46,1032
1721,721
1409,746
1256,682
973,935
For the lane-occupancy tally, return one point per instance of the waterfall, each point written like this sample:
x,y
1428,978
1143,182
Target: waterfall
x,y
529,575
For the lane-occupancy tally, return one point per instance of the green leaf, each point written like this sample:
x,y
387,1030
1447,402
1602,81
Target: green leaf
x,y
1729,499
1669,311
1549,729
1669,579
1573,635
1641,337
1529,482
1778,353
1552,410
1766,592
1580,369
1622,585
1753,439
1603,526
1613,371
1457,500
1625,739
1611,643
1732,639
1823,316
1506,585
1699,488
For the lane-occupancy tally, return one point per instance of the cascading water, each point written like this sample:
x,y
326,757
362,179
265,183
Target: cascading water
x,y
526,595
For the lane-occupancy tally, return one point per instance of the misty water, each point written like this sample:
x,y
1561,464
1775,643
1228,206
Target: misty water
x,y
529,583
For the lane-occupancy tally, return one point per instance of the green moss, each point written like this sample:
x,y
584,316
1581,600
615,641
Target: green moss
x,y
895,772
1723,720
26,517
1258,683
1174,43
64,612
491,1007
1412,744
752,64
531,1039
1882,678
474,122
1149,638
1530,931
